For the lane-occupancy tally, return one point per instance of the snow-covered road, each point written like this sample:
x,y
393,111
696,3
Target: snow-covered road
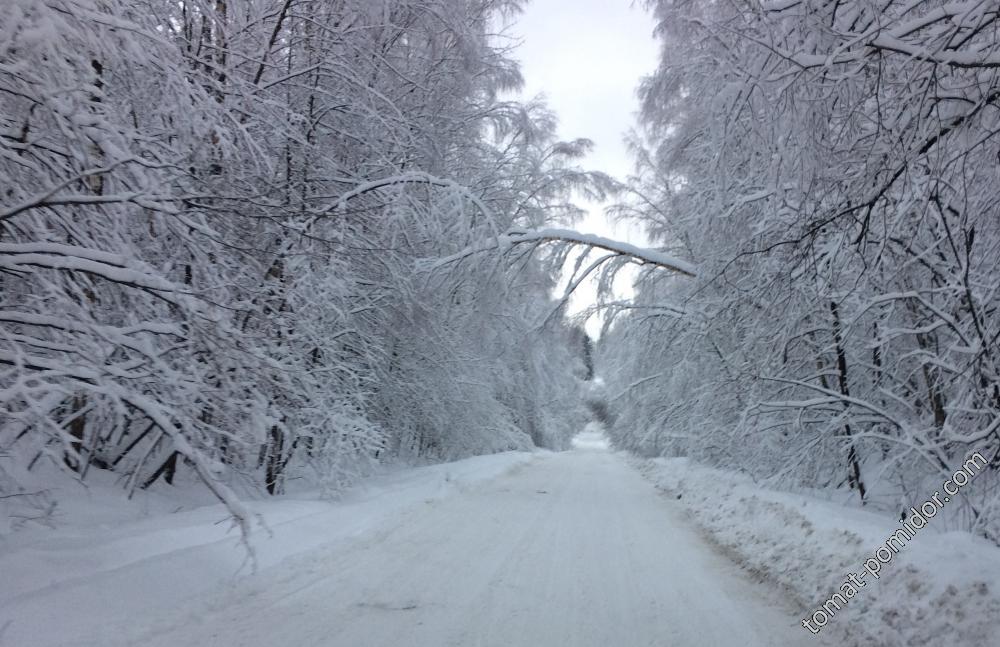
x,y
570,550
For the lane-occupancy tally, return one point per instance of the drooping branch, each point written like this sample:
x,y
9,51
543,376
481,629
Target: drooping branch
x,y
641,255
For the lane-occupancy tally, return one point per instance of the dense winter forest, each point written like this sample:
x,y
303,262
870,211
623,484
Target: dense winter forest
x,y
245,237
219,236
833,167
254,250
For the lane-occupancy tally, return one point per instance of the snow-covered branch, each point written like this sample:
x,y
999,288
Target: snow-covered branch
x,y
515,237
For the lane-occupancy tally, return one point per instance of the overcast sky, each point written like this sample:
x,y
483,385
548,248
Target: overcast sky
x,y
587,57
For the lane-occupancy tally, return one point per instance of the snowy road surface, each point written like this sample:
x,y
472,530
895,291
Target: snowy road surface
x,y
571,550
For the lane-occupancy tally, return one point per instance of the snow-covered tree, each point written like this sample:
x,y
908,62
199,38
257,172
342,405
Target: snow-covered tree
x,y
832,167
218,222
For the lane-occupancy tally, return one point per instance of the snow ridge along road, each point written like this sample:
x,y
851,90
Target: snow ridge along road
x,y
574,549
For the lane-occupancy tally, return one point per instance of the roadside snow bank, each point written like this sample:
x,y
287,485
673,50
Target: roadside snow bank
x,y
83,577
941,588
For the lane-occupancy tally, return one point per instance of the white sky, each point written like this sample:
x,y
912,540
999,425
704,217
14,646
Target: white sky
x,y
587,57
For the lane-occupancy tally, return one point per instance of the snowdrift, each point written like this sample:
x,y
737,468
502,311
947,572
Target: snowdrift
x,y
940,589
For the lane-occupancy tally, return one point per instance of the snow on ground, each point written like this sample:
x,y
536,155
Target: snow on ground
x,y
569,549
941,589
97,570
574,549
513,549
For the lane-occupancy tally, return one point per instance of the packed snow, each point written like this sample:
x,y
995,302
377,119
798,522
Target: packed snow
x,y
571,548
107,566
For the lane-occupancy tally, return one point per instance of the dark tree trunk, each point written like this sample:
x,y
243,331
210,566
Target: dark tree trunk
x,y
854,474
275,465
168,469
